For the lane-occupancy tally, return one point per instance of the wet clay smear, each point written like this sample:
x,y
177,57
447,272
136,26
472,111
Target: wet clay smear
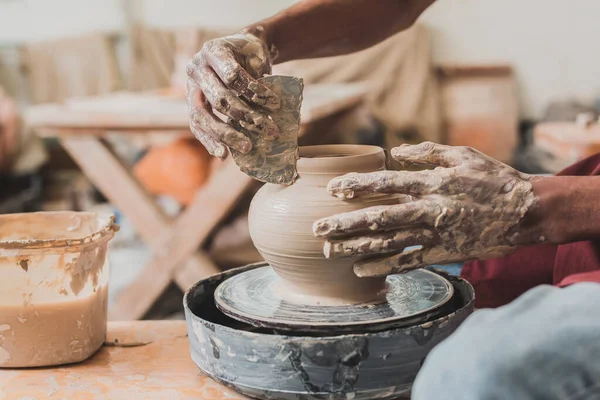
x,y
273,160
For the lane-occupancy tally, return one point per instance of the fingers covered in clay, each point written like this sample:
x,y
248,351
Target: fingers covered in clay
x,y
239,60
429,153
222,79
406,261
197,109
399,263
392,182
221,99
470,206
205,120
429,213
378,243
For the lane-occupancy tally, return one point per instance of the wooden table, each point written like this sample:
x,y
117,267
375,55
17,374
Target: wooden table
x,y
82,124
145,360
140,360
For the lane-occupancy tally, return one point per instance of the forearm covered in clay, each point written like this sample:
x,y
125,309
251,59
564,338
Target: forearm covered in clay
x,y
224,75
554,210
322,28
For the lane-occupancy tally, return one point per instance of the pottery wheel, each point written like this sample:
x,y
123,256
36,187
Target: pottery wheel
x,y
252,297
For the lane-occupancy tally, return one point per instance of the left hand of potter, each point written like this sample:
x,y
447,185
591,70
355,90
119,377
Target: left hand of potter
x,y
470,206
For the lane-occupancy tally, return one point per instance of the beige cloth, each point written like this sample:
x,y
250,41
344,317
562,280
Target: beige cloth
x,y
188,41
20,150
60,69
73,67
10,72
152,58
159,56
159,59
404,92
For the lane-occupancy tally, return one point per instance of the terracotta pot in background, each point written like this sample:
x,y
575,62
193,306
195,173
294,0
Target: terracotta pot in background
x,y
480,107
178,169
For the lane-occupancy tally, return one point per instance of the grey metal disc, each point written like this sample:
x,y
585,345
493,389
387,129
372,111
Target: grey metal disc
x,y
252,297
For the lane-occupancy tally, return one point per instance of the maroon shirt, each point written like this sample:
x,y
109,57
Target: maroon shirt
x,y
499,281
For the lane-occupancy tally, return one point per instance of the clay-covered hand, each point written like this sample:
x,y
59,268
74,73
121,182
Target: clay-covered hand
x,y
223,77
469,206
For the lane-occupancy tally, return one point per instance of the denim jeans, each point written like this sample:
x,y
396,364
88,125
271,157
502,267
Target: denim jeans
x,y
543,346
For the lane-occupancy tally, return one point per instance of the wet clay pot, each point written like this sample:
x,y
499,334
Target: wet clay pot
x,y
281,220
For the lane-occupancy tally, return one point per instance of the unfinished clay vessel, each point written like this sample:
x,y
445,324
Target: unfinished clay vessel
x,y
281,220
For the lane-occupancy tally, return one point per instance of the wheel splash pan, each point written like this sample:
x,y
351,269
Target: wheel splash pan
x,y
267,364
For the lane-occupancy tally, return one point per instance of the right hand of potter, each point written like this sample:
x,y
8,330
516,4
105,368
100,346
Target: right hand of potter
x,y
223,77
469,206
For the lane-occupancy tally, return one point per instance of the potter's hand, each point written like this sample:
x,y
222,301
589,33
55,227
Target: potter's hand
x,y
222,74
470,206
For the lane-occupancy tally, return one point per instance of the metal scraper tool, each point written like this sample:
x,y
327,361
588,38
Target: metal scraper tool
x,y
274,160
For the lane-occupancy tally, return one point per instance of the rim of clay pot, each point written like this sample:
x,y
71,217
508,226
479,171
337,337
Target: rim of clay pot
x,y
105,230
340,158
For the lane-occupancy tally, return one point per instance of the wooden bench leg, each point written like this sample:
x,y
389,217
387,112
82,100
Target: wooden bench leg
x,y
192,227
173,244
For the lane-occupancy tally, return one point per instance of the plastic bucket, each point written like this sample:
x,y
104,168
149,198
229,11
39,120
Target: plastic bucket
x,y
53,287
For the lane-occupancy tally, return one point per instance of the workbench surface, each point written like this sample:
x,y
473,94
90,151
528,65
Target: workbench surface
x,y
140,360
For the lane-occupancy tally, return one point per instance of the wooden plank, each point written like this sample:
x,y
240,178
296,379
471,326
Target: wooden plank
x,y
51,131
137,112
198,265
211,204
323,100
151,360
118,184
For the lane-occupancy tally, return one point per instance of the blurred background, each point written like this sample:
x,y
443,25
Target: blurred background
x,y
516,80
